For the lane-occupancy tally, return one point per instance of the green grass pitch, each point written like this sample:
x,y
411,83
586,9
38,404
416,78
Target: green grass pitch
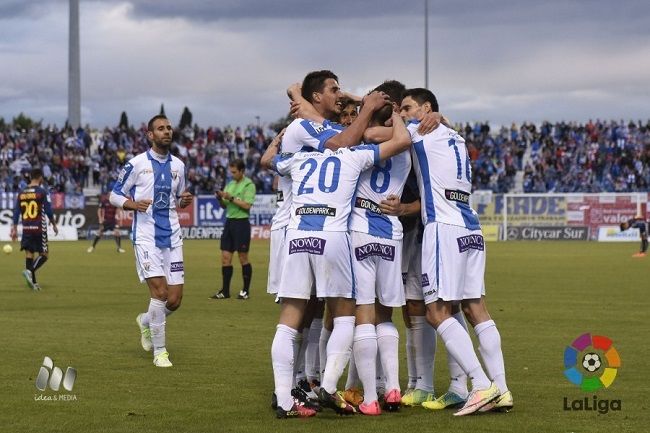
x,y
542,296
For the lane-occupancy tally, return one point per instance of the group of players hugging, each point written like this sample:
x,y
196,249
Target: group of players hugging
x,y
373,214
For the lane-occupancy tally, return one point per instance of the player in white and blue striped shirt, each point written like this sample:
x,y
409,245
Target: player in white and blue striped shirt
x,y
453,255
317,248
152,185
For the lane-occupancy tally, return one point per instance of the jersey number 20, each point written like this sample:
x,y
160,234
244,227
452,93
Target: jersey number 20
x,y
324,184
30,209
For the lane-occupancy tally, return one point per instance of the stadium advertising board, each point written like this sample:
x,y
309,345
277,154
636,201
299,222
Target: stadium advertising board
x,y
66,233
209,212
263,209
208,232
547,233
537,210
614,234
215,232
598,211
490,232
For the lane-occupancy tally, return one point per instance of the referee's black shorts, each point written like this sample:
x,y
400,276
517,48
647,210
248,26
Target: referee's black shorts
x,y
236,235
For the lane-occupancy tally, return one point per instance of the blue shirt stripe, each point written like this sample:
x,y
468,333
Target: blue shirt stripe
x,y
426,179
322,137
162,194
470,218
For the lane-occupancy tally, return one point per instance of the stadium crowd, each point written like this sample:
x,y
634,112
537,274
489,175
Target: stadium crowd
x,y
600,156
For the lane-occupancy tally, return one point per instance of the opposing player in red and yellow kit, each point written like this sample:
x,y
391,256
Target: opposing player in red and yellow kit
x,y
33,205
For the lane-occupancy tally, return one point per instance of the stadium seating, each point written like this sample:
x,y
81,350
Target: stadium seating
x,y
599,156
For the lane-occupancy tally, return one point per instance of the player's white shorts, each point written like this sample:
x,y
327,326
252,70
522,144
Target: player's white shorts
x,y
412,264
276,259
321,257
377,264
453,263
160,262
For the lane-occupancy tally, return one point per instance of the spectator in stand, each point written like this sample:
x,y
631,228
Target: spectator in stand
x,y
599,156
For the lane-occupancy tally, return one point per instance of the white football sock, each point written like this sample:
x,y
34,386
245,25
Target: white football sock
x,y
388,347
282,356
353,375
145,320
299,365
459,344
424,342
322,350
410,359
490,348
365,356
311,355
338,351
381,377
157,325
458,378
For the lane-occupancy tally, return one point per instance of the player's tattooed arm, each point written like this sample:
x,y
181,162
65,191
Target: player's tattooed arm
x,y
300,107
272,150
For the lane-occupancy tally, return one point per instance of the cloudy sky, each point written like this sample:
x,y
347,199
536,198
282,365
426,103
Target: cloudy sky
x,y
231,60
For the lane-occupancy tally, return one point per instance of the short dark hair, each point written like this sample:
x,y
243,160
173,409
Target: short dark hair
x,y
421,96
382,115
315,82
153,119
36,173
345,101
394,89
238,164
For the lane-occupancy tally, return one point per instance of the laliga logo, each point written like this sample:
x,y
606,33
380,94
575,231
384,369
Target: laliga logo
x,y
591,363
53,376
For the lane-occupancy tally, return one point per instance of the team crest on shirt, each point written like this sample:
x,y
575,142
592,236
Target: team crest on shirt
x,y
126,168
174,175
318,127
310,245
471,242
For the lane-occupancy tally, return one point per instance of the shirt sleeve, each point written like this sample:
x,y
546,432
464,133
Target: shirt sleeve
x,y
182,182
314,135
47,206
249,193
121,189
281,163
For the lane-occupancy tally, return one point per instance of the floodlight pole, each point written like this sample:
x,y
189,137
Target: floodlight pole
x,y
74,69
426,44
